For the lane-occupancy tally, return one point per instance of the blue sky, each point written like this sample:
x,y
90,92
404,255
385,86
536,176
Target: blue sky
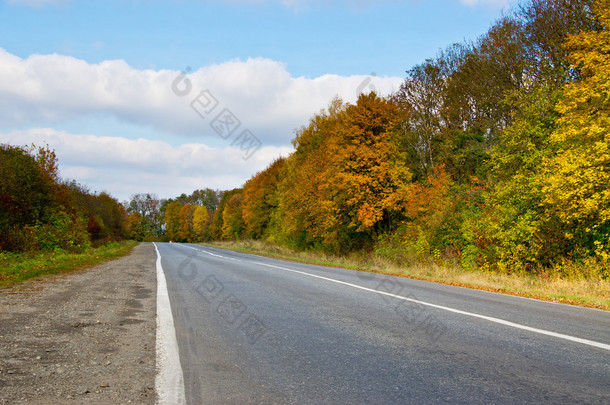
x,y
93,79
312,38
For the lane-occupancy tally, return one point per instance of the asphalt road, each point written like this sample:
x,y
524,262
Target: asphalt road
x,y
261,331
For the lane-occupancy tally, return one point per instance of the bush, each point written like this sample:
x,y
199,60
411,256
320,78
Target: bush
x,y
63,232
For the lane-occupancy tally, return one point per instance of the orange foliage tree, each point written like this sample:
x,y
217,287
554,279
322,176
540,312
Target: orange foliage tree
x,y
347,175
185,219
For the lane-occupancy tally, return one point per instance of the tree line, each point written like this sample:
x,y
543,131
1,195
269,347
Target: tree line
x,y
496,153
40,211
187,218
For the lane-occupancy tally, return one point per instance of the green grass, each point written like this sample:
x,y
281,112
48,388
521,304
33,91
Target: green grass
x,y
583,291
15,268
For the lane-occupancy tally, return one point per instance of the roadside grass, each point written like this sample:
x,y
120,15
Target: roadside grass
x,y
584,291
15,268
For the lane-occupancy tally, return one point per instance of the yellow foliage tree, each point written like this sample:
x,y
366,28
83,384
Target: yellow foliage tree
x,y
577,183
232,218
172,220
134,226
200,220
305,195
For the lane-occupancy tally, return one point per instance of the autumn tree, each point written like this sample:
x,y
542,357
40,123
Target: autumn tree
x,y
430,221
493,153
261,199
41,211
479,76
577,179
201,219
546,26
348,171
185,218
215,229
232,219
135,226
205,197
149,207
26,194
105,216
112,213
512,224
172,220
371,163
305,194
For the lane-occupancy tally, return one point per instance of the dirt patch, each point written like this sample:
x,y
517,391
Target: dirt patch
x,y
86,337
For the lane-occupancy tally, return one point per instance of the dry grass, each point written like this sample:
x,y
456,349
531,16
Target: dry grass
x,y
589,292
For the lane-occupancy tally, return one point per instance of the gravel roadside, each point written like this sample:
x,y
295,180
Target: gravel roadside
x,y
85,337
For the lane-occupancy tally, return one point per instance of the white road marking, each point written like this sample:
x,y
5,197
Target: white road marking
x,y
449,309
169,382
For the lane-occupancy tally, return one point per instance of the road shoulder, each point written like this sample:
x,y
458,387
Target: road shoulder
x,y
86,337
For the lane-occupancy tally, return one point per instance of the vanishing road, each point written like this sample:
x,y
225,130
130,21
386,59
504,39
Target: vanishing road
x,y
255,330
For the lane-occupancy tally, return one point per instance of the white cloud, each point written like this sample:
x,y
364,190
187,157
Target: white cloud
x,y
41,92
124,166
261,93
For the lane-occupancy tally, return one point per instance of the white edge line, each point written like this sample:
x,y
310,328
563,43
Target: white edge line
x,y
457,311
169,381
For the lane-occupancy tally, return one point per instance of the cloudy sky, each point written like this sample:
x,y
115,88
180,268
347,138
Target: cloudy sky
x,y
167,96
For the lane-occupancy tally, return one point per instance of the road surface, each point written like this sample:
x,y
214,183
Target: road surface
x,y
256,330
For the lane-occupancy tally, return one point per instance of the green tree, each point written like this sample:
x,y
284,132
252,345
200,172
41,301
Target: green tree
x,y
422,94
232,219
149,207
512,229
513,224
215,230
546,26
26,194
261,199
206,197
